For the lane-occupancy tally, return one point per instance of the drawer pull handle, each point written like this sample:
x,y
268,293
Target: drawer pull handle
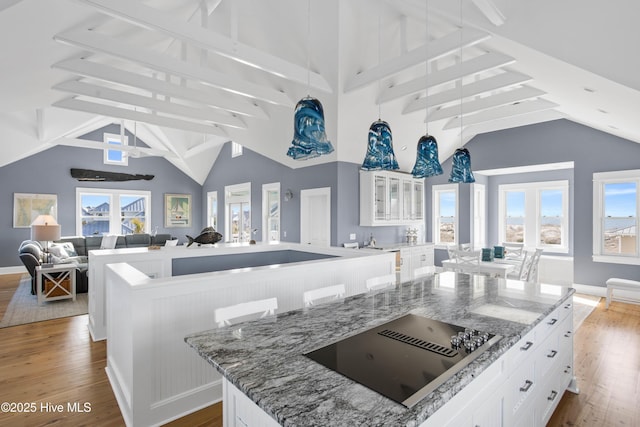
x,y
553,395
552,322
552,354
527,346
568,334
568,305
527,386
568,369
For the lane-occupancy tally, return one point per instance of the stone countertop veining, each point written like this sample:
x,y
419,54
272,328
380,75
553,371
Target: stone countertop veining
x,y
264,358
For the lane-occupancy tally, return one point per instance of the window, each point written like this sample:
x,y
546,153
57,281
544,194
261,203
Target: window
x,y
236,149
104,211
271,212
237,201
616,209
535,214
445,214
113,156
212,209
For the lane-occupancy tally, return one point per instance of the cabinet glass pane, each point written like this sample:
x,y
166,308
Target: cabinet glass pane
x,y
394,198
418,194
381,197
406,200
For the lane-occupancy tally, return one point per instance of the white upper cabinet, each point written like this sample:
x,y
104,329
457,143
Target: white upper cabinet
x,y
390,198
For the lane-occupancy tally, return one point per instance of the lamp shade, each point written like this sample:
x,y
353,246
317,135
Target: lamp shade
x,y
309,137
45,233
380,155
427,163
461,167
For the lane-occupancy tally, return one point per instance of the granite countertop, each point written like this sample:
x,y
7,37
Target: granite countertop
x,y
265,360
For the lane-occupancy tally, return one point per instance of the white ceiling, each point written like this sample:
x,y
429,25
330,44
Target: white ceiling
x,y
190,75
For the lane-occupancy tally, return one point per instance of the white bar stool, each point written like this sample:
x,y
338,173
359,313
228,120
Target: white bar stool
x,y
224,315
336,291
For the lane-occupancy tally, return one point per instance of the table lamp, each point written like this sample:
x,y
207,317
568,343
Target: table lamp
x,y
46,229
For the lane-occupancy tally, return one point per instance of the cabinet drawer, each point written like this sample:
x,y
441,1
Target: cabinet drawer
x,y
520,386
523,349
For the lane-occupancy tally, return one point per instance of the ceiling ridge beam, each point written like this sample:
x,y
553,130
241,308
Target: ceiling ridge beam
x,y
153,19
496,100
436,49
101,92
473,66
489,84
107,73
95,42
122,113
502,112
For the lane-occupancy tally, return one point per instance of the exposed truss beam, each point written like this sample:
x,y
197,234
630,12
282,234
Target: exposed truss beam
x,y
502,112
516,121
153,19
490,11
489,84
436,49
122,113
96,42
472,66
101,92
491,101
202,95
84,143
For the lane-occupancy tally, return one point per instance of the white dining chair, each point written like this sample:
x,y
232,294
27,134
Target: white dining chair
x,y
265,307
513,250
381,282
312,297
529,269
517,273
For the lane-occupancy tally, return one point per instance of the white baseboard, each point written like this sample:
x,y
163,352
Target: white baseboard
x,y
13,270
601,291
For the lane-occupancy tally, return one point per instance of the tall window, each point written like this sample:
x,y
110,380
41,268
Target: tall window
x,y
271,212
445,214
113,156
237,201
212,209
615,215
535,214
236,149
103,211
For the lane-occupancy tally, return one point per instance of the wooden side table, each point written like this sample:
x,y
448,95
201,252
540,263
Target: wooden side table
x,y
59,282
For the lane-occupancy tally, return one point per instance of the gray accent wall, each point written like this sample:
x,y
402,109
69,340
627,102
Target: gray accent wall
x,y
561,141
47,172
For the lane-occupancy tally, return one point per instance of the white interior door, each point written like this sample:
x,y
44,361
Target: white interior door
x,y
315,216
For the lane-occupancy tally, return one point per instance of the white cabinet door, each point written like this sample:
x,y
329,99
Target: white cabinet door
x,y
389,198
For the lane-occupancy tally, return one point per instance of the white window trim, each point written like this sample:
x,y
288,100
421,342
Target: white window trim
x,y
532,210
234,199
113,147
236,149
435,215
212,195
274,186
114,215
599,180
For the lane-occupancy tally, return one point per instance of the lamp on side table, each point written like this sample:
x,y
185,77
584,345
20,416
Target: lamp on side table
x,y
46,229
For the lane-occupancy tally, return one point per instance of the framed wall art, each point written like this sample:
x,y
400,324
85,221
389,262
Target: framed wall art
x,y
27,207
177,210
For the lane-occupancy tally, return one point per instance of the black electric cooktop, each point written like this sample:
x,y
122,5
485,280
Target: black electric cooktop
x,y
405,359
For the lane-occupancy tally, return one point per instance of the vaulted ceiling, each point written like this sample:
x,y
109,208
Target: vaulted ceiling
x,y
189,75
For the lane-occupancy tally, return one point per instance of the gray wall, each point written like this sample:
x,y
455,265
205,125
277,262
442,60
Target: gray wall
x,y
560,141
48,172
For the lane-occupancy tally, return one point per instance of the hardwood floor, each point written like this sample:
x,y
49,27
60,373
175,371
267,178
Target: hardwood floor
x,y
8,285
56,362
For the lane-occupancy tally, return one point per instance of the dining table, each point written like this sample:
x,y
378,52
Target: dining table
x,y
492,268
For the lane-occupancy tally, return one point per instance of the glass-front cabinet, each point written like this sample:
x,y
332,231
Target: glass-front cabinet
x,y
390,198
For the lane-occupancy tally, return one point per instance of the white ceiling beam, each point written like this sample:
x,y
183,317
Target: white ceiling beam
x,y
201,94
489,84
437,49
101,92
153,19
95,42
502,112
484,103
490,11
516,121
122,113
98,145
476,65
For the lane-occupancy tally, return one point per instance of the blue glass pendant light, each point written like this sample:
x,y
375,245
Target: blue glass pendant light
x,y
380,155
427,163
461,167
309,137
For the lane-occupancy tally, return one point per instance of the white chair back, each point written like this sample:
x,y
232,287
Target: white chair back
x,y
468,257
381,282
529,271
517,273
513,250
428,270
224,315
108,241
311,297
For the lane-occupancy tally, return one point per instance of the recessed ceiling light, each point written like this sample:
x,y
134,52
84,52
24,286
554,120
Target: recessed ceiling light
x,y
590,90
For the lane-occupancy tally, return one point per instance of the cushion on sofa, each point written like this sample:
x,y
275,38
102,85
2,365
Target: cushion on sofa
x,y
137,240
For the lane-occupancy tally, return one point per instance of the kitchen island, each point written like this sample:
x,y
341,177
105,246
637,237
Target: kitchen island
x,y
517,381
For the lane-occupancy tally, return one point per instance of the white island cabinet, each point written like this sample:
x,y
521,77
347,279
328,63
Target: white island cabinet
x,y
390,198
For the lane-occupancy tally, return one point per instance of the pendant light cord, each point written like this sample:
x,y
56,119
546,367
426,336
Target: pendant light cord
x,y
379,58
461,77
308,48
426,69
